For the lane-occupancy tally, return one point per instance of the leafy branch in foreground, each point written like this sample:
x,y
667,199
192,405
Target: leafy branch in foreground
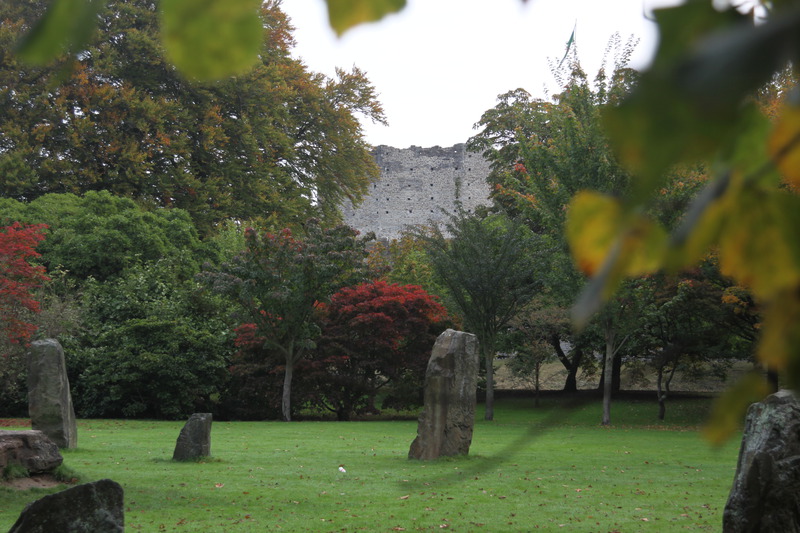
x,y
205,39
696,103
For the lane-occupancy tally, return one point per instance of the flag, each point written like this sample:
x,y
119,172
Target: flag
x,y
569,44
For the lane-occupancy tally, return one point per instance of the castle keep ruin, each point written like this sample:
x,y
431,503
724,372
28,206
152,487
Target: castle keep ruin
x,y
415,183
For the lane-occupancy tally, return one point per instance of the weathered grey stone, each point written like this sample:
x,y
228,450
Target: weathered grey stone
x,y
451,380
31,450
195,438
49,399
415,185
766,489
89,508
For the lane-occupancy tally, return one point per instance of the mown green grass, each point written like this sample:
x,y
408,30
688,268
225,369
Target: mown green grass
x,y
546,469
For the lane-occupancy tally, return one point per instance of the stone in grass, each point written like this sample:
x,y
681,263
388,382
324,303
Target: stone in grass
x,y
765,496
30,450
49,399
89,508
194,441
451,381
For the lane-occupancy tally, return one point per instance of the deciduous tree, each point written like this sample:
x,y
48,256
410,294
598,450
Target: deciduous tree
x,y
280,281
277,142
374,335
489,268
18,278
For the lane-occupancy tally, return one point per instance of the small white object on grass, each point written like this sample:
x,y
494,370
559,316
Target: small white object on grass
x,y
341,469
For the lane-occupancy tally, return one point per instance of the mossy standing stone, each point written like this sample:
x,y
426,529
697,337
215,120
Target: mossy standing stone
x,y
49,399
765,496
451,380
194,440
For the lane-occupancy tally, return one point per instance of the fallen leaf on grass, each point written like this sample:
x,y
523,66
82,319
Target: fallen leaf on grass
x,y
404,497
219,485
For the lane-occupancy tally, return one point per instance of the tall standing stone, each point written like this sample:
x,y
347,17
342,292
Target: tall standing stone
x,y
451,381
194,440
766,489
49,399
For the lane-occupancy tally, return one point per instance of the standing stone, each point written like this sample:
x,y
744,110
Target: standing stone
x,y
31,450
195,438
89,508
766,489
49,399
451,380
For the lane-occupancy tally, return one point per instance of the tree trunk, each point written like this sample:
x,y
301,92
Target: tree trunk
x,y
616,377
608,373
662,407
571,364
489,359
286,399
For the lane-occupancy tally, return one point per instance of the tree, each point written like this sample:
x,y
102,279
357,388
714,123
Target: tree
x,y
277,143
542,153
18,278
488,267
280,281
152,344
683,324
374,335
99,235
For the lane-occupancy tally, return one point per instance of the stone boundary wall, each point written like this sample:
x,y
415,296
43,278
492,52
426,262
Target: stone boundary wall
x,y
415,182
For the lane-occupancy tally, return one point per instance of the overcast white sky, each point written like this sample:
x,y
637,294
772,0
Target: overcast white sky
x,y
440,64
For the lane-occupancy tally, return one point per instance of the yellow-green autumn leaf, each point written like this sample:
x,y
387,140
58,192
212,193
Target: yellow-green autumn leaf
x,y
730,408
610,243
65,26
593,225
344,14
700,228
596,223
784,144
759,247
211,39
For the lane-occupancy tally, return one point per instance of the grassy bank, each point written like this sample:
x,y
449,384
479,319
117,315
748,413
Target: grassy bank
x,y
546,469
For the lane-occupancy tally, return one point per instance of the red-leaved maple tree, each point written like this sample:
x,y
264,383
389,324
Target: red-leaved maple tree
x,y
373,334
18,278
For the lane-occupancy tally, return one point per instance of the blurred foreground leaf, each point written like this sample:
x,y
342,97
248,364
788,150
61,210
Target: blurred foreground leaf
x,y
211,39
344,14
784,144
609,243
729,409
66,27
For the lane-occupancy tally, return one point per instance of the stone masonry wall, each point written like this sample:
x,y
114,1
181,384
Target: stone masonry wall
x,y
415,182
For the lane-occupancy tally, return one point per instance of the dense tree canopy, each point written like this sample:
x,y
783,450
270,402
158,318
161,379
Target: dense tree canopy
x,y
279,282
488,267
18,278
99,235
373,335
277,143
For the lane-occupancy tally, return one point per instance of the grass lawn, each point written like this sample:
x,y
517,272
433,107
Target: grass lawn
x,y
549,468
